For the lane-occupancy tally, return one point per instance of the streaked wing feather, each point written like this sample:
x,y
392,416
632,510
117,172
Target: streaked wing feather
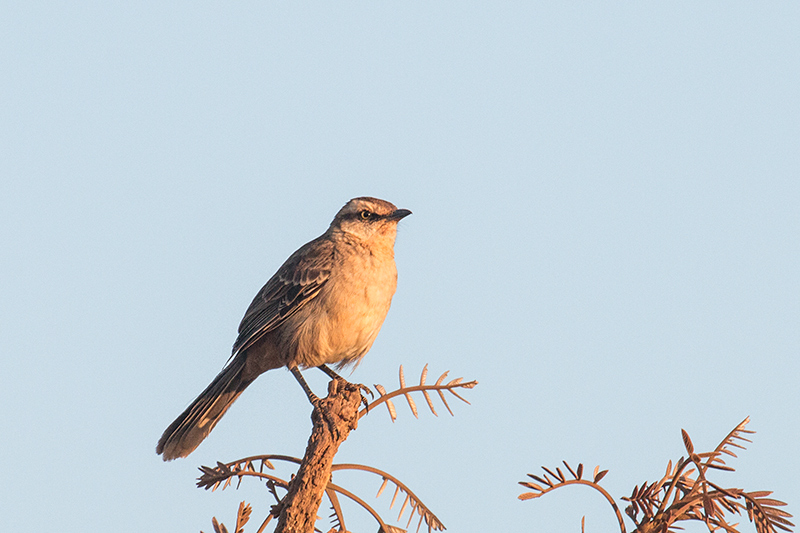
x,y
295,283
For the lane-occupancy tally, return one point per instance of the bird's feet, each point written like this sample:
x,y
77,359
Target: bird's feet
x,y
364,389
360,386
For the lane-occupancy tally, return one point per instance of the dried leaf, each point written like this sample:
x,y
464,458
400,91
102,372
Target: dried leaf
x,y
766,502
243,516
708,506
444,401
430,402
454,393
411,404
720,467
550,472
383,486
687,442
540,480
403,507
411,513
394,497
389,404
219,528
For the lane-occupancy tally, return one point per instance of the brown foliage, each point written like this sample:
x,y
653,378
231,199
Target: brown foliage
x,y
683,493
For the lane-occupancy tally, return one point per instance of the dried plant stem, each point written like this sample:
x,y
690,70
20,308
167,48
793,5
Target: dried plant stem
x,y
403,390
679,468
684,493
599,489
333,417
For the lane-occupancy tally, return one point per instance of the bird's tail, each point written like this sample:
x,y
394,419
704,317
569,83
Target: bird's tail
x,y
196,422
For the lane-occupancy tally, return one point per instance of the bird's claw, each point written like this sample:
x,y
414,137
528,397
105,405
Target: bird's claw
x,y
367,390
365,403
361,390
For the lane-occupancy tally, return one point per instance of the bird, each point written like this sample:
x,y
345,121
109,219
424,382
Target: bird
x,y
324,306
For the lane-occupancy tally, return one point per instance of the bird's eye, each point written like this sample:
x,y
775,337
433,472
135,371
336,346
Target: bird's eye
x,y
365,215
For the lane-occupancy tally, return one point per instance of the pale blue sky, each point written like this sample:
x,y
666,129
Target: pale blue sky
x,y
606,235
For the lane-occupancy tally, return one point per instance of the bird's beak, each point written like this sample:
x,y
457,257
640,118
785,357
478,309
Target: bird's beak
x,y
397,214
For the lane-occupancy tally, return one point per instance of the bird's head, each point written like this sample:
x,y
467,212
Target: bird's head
x,y
368,219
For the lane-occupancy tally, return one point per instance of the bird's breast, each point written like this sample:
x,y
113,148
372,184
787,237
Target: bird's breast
x,y
352,307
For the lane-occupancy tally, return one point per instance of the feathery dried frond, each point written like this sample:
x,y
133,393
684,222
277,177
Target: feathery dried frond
x,y
242,516
440,387
683,493
714,459
686,494
764,512
545,484
218,527
411,501
223,474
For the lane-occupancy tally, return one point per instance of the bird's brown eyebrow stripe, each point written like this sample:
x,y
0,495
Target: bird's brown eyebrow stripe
x,y
357,214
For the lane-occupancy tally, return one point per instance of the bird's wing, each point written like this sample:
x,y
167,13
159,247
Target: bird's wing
x,y
295,283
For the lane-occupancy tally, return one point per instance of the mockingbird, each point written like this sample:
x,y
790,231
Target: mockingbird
x,y
324,305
